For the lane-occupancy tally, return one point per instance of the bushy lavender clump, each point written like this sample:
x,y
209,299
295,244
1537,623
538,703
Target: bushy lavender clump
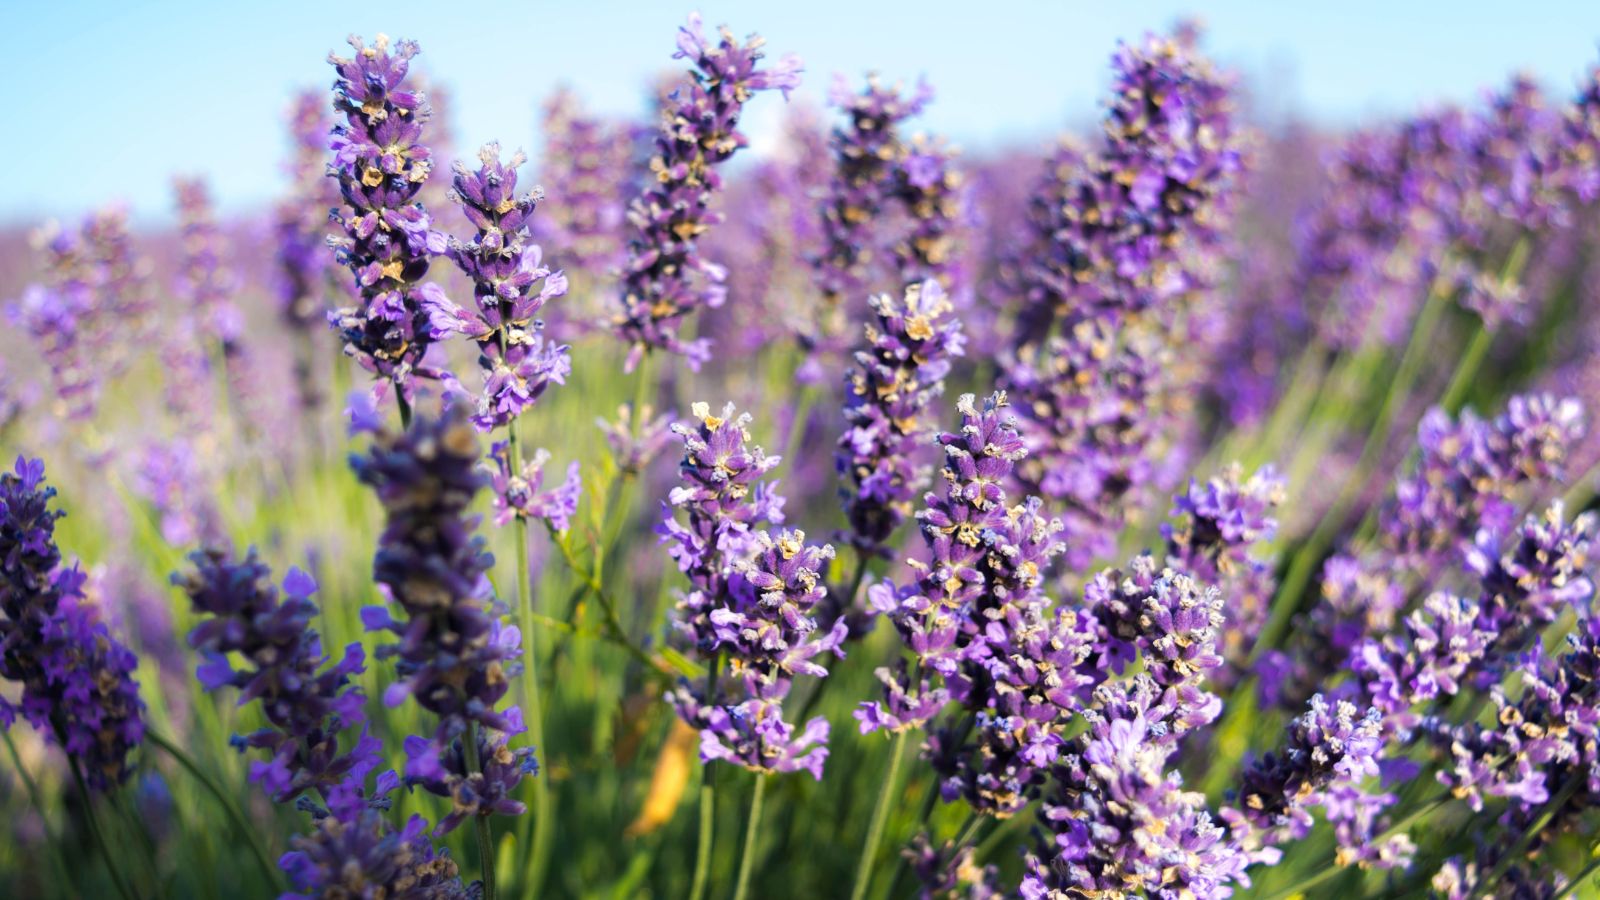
x,y
76,679
900,372
867,151
381,163
665,277
454,655
1471,470
307,703
750,603
518,362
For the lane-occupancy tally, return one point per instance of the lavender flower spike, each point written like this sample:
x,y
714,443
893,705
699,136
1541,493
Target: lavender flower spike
x,y
666,278
511,285
381,163
897,375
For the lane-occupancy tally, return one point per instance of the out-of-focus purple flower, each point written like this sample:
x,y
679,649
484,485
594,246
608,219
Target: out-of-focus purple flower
x,y
381,163
665,277
308,704
1470,472
522,495
589,160
511,285
1539,576
353,851
171,478
634,446
949,872
454,655
751,600
928,184
299,226
76,679
1120,822
205,284
897,375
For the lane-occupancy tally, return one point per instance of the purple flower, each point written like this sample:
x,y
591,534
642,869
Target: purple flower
x,y
204,283
381,163
76,679
352,850
899,373
522,495
299,227
309,705
666,278
511,285
589,159
454,656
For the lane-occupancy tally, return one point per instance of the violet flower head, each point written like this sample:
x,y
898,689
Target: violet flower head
x,y
488,790
897,375
387,237
1120,822
948,872
928,184
299,227
511,285
454,654
1441,643
204,282
867,151
1537,577
75,678
751,601
522,495
589,160
353,851
666,278
308,703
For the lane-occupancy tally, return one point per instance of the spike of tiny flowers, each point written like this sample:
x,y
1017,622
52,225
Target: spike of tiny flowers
x,y
204,281
387,237
900,372
454,654
522,494
511,285
76,678
666,278
751,600
353,850
309,705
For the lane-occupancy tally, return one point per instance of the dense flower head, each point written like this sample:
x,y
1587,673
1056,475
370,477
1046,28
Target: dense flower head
x,y
485,789
204,281
308,703
1217,525
300,219
352,851
1329,743
901,371
666,278
1471,470
1120,822
588,160
752,601
950,872
75,678
381,163
928,185
1173,623
1581,138
867,151
1540,574
511,284
1441,642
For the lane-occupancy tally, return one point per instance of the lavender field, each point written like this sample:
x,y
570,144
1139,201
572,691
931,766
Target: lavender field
x,y
1198,505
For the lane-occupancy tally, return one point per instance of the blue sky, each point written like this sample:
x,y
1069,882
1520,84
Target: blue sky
x,y
107,100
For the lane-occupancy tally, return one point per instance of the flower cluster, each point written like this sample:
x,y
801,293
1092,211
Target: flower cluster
x,y
381,163
307,703
589,159
511,285
521,495
665,277
353,851
76,679
900,372
751,600
204,283
299,227
867,153
453,652
1470,473
928,184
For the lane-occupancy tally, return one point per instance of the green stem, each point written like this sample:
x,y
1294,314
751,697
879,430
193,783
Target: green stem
x,y
1287,601
405,407
534,713
34,796
1578,880
94,829
880,817
752,834
480,822
702,853
229,808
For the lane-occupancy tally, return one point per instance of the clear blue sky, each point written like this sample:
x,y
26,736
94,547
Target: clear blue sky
x,y
106,100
